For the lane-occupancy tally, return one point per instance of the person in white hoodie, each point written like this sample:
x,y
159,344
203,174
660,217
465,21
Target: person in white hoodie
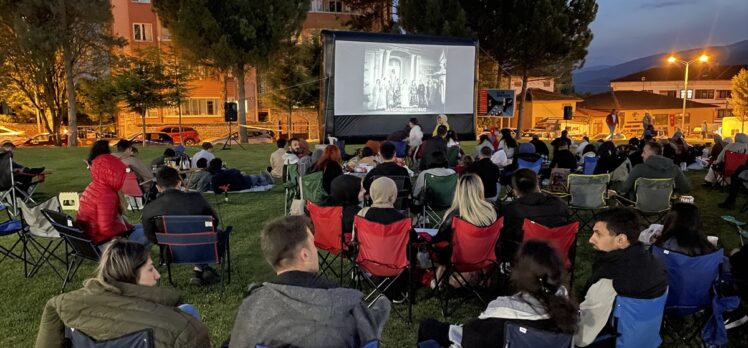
x,y
540,302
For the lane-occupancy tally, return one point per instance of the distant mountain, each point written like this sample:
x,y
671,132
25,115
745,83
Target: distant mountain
x,y
597,79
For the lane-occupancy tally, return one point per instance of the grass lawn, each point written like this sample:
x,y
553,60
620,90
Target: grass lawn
x,y
23,299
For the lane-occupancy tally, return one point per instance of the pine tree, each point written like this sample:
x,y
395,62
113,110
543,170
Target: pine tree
x,y
433,17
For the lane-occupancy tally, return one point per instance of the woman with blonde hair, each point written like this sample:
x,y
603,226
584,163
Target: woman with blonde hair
x,y
440,120
122,299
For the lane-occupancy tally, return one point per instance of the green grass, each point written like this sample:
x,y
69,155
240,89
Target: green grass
x,y
23,299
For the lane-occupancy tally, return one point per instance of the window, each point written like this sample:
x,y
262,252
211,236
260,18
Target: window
x,y
165,34
262,116
142,32
334,6
660,119
724,94
704,94
724,113
690,94
200,107
669,93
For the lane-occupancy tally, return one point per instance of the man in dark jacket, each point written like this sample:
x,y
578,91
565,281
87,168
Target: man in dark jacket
x,y
388,168
434,145
540,147
172,201
623,267
298,308
655,166
530,204
488,173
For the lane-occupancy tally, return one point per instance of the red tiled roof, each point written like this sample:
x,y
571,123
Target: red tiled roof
x,y
675,72
636,100
540,95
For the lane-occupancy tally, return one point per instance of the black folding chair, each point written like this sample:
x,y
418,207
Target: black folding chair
x,y
40,239
81,247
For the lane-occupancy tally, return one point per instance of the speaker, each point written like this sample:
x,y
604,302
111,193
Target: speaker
x,y
230,113
567,112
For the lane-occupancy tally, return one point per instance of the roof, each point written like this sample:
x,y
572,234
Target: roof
x,y
543,95
636,100
590,112
674,72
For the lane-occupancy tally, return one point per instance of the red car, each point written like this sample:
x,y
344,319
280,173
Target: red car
x,y
189,135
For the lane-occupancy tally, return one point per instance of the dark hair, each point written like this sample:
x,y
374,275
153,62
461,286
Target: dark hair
x,y
539,273
100,147
634,141
438,160
169,152
281,237
586,138
451,135
684,223
202,163
441,130
607,149
486,151
123,145
506,136
207,146
167,177
525,181
215,165
467,161
367,152
344,190
655,147
564,133
280,143
621,221
329,155
387,150
413,120
482,138
589,148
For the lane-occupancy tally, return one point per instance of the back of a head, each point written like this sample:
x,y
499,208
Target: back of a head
x,y
100,147
170,153
607,149
202,163
123,145
282,237
564,133
621,221
539,273
654,147
413,120
525,181
280,143
383,192
470,200
441,130
482,138
331,154
167,178
387,150
589,148
683,222
120,262
586,138
344,189
506,136
486,152
366,152
206,146
215,165
535,137
438,160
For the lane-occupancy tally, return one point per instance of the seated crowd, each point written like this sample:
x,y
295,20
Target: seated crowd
x,y
503,185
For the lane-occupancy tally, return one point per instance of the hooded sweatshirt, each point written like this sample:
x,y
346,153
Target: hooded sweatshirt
x,y
740,146
100,212
657,167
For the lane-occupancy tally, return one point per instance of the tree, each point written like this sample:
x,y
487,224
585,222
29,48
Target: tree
x,y
100,98
294,76
739,98
143,85
528,35
433,17
371,15
232,34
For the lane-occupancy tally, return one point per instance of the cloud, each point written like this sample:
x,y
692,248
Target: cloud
x,y
667,4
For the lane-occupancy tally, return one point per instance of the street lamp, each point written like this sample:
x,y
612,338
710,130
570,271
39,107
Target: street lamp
x,y
703,58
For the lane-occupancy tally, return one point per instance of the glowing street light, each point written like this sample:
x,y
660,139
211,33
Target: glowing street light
x,y
703,58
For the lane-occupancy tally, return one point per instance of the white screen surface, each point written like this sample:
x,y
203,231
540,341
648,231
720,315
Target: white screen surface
x,y
374,78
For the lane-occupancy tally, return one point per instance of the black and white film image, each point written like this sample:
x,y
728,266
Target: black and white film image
x,y
402,79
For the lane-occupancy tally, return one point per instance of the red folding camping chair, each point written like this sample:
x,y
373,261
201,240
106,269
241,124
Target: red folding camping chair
x,y
328,236
132,191
733,160
563,239
383,253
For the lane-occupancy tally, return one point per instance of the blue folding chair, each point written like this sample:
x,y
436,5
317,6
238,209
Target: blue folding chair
x,y
401,148
638,321
534,166
11,227
523,336
193,240
691,281
588,167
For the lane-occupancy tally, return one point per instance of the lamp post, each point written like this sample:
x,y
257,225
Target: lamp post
x,y
702,59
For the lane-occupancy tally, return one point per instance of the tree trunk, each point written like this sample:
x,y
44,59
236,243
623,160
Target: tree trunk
x,y
240,72
69,82
523,97
142,118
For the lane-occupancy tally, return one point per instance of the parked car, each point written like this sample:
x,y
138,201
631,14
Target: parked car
x,y
17,137
189,135
44,139
152,139
255,136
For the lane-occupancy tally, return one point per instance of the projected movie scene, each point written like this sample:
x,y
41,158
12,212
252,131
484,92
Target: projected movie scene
x,y
405,79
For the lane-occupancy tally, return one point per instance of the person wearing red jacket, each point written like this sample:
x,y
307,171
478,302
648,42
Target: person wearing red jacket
x,y
100,212
612,121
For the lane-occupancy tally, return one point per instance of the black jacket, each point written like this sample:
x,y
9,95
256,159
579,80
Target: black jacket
x,y
435,144
544,209
489,175
174,202
383,216
387,169
564,159
635,272
540,147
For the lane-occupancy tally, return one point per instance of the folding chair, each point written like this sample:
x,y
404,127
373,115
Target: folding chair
x,y
638,321
311,188
534,166
589,164
291,185
328,236
137,339
472,249
11,185
383,252
453,155
193,240
11,227
652,198
402,202
81,247
563,239
517,335
401,149
733,160
437,196
691,281
557,184
132,191
587,197
40,239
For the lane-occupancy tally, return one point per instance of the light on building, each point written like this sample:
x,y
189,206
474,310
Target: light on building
x,y
703,58
671,59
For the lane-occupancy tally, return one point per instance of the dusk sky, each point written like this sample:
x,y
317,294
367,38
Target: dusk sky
x,y
630,29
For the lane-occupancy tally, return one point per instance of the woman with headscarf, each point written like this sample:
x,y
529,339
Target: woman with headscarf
x,y
345,191
440,120
383,193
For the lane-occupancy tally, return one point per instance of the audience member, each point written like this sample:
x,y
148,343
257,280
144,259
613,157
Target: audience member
x,y
582,146
236,180
374,146
298,308
656,166
738,180
100,147
739,146
276,158
415,137
123,298
297,155
561,141
488,173
383,196
25,176
563,158
345,191
201,177
465,162
483,141
160,161
433,146
609,159
206,151
126,153
330,166
367,157
438,167
623,268
441,120
527,152
388,167
683,231
508,143
451,138
540,146
539,301
530,204
588,151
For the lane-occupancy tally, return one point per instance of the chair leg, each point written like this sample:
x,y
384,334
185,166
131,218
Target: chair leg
x,y
72,270
168,270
